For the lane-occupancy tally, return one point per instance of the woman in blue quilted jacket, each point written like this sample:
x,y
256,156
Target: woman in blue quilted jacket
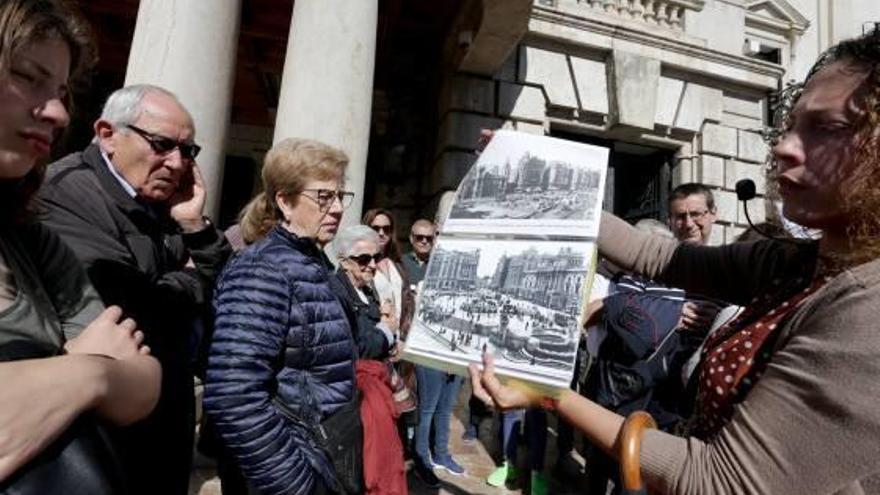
x,y
283,346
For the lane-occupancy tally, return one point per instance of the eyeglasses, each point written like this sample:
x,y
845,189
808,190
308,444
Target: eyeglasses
x,y
423,238
696,216
325,198
381,229
163,145
364,259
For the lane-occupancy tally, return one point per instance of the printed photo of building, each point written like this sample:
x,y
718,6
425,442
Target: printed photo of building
x,y
519,299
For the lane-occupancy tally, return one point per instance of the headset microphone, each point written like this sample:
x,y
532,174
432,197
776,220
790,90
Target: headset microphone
x,y
746,190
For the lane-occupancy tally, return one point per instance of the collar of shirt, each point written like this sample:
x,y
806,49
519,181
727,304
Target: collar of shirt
x,y
416,258
122,182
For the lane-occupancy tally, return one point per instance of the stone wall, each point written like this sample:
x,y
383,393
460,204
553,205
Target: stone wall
x,y
710,123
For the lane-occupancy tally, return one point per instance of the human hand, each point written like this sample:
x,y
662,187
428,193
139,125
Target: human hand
x,y
489,389
697,315
107,336
396,351
486,135
387,311
188,202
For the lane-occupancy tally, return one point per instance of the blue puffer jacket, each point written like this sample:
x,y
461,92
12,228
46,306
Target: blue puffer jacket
x,y
258,349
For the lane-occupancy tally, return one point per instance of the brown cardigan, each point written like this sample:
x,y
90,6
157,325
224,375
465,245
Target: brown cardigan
x,y
811,425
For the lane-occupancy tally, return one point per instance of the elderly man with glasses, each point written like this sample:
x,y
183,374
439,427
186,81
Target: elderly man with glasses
x,y
421,238
692,213
131,207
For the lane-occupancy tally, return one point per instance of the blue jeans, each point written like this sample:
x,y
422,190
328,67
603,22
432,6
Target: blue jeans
x,y
536,428
438,391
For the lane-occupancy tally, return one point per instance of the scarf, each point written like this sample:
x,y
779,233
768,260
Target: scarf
x,y
735,357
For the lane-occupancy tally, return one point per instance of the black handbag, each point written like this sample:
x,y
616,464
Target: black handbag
x,y
80,462
341,435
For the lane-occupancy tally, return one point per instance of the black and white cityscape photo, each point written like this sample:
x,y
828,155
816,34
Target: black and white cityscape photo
x,y
519,299
528,182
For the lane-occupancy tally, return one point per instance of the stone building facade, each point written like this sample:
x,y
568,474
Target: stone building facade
x,y
550,280
456,270
690,79
678,89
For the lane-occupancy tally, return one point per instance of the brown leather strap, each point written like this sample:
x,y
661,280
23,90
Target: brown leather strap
x,y
631,447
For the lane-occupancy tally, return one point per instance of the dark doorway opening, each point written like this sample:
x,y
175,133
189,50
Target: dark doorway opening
x,y
238,186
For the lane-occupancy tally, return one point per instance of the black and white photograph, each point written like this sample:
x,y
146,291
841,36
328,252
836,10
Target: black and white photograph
x,y
520,300
523,184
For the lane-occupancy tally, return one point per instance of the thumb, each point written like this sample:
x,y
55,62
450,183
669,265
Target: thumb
x,y
489,380
477,385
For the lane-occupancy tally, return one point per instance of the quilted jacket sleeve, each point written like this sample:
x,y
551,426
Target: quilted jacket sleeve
x,y
253,308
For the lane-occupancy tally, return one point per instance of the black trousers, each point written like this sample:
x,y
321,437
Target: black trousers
x,y
156,453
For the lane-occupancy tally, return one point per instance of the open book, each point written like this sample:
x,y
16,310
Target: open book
x,y
513,264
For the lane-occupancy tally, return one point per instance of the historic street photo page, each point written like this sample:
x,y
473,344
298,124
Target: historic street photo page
x,y
524,184
518,299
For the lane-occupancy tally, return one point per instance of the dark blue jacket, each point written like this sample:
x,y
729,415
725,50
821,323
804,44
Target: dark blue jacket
x,y
262,348
363,317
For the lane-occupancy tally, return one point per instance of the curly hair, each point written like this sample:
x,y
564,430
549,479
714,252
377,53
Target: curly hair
x,y
861,203
23,22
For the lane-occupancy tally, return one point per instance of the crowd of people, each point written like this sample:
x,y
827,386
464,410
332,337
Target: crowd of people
x,y
757,358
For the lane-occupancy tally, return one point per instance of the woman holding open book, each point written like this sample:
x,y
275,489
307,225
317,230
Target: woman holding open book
x,y
787,393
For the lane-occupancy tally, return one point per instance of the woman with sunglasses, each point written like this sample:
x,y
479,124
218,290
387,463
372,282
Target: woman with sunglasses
x,y
62,354
390,280
282,357
376,329
376,335
787,391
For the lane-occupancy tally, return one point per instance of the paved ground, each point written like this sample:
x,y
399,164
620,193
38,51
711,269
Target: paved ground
x,y
476,458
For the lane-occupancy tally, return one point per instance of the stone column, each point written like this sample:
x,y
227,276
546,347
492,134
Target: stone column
x,y
327,86
189,48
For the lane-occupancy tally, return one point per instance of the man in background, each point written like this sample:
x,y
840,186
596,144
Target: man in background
x,y
421,238
692,213
131,206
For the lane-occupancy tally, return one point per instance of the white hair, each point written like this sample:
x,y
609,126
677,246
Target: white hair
x,y
349,236
124,106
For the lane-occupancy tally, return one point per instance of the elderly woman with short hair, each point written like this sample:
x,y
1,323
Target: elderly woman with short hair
x,y
282,360
375,332
375,324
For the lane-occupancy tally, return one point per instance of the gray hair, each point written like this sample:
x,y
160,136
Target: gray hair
x,y
124,106
654,226
349,236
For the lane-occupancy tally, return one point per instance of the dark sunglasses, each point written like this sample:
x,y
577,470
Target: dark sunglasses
x,y
381,228
423,238
364,259
163,145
